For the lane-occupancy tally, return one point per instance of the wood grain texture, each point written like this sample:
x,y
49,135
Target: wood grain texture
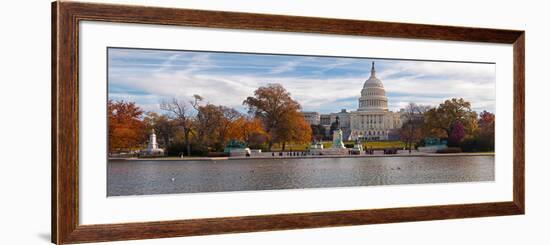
x,y
149,230
519,122
65,122
54,123
235,20
65,221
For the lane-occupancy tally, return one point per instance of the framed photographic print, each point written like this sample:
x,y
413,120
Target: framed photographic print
x,y
176,122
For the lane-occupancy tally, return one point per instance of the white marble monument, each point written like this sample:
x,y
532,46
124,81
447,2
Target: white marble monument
x,y
152,147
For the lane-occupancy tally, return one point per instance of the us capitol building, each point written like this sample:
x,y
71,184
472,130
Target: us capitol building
x,y
371,121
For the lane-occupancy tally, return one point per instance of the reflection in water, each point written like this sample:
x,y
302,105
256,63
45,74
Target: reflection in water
x,y
141,177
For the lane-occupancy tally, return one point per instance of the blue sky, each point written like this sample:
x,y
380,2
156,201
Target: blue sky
x,y
324,84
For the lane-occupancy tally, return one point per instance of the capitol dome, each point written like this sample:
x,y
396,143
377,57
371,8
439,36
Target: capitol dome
x,y
373,94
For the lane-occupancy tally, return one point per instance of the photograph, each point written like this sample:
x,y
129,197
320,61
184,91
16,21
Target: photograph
x,y
185,121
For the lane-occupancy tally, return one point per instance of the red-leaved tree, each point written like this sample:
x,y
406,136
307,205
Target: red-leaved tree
x,y
126,129
457,134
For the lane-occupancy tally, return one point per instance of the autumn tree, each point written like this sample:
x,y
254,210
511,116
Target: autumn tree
x,y
301,130
249,130
213,125
486,124
273,105
126,130
413,123
457,134
292,128
486,130
183,115
447,114
206,124
229,117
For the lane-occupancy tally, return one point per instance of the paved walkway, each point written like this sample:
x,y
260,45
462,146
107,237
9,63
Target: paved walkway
x,y
269,155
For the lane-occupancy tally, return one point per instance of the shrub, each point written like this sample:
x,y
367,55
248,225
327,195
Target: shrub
x,y
420,143
262,146
176,149
349,145
449,150
477,144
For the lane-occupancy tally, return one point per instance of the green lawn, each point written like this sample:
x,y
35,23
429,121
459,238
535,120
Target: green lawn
x,y
290,146
384,144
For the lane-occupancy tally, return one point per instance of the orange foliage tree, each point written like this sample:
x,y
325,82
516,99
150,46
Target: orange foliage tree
x,y
487,129
486,124
279,113
213,125
292,128
126,129
302,130
248,130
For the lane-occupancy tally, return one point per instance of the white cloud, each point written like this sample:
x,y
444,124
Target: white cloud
x,y
287,66
426,83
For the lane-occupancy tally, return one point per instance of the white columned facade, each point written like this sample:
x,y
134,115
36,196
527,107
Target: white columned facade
x,y
372,120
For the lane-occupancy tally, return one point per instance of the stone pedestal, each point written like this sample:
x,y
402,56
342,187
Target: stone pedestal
x,y
337,140
152,147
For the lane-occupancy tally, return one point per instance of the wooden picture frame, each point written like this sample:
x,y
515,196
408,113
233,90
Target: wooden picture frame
x,y
65,121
